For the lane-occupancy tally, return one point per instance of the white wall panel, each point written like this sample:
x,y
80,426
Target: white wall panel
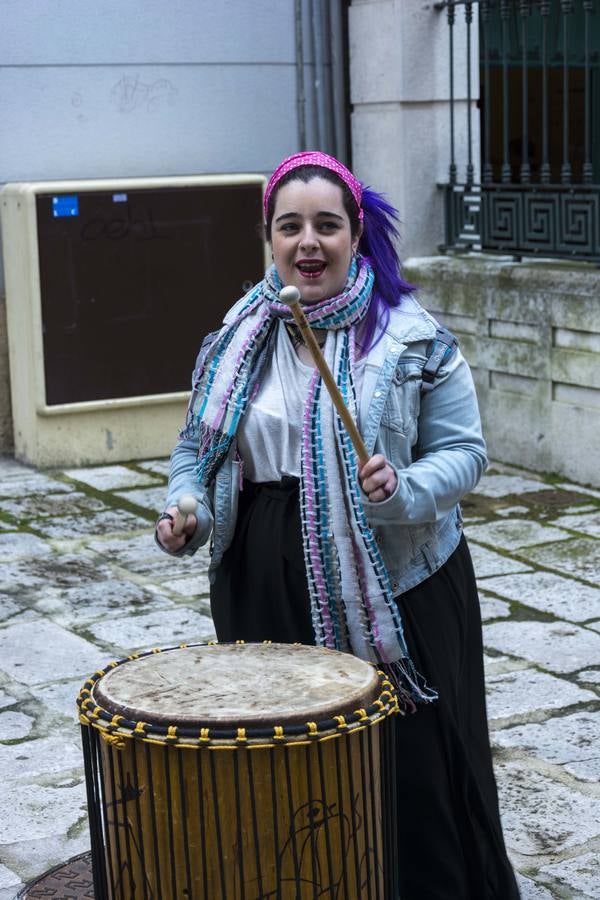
x,y
93,122
68,32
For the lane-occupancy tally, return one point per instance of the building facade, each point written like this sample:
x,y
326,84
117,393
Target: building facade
x,y
480,119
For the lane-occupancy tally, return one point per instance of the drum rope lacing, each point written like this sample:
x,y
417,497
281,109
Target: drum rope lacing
x,y
117,729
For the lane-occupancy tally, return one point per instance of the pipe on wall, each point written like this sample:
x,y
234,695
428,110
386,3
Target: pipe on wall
x,y
321,91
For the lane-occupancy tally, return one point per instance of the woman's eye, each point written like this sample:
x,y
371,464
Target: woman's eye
x,y
288,228
329,226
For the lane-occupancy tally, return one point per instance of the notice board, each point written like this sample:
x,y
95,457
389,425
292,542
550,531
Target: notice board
x,y
131,280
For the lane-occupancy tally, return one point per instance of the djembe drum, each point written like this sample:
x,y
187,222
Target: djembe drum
x,y
240,771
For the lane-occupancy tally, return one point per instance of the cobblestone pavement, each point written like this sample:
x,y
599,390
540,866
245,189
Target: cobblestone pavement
x,y
81,583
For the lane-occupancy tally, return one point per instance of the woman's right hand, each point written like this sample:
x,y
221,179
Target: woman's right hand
x,y
164,530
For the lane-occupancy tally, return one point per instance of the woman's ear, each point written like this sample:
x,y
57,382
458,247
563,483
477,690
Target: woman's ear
x,y
357,237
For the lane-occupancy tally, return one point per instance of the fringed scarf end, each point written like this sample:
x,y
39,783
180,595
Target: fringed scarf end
x,y
411,687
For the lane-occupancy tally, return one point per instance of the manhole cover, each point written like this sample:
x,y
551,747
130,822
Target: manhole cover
x,y
70,881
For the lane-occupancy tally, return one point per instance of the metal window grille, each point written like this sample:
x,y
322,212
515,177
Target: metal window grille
x,y
539,189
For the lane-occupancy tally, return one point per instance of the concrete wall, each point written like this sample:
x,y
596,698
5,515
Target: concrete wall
x,y
399,83
142,88
146,87
531,333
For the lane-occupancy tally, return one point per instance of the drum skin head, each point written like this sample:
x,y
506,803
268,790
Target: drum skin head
x,y
243,685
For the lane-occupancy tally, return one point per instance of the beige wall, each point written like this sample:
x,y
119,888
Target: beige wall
x,y
399,86
531,333
6,429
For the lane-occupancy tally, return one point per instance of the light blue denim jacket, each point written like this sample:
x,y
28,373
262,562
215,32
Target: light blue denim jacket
x,y
432,439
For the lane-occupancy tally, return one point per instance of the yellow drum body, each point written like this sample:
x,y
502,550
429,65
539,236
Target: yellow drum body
x,y
240,771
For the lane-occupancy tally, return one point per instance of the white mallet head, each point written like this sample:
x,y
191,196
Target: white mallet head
x,y
290,295
187,504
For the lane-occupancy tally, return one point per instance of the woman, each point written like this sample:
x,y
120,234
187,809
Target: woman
x,y
300,531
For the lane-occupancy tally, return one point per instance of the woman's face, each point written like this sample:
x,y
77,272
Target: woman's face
x,y
311,238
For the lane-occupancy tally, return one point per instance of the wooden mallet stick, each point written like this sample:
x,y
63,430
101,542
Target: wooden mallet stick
x,y
290,295
185,505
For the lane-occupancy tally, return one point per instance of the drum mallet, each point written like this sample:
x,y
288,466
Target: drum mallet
x,y
185,506
290,295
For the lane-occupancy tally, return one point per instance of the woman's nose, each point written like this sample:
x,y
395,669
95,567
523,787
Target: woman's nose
x,y
308,238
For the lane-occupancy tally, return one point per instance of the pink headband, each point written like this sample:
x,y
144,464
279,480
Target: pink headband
x,y
315,158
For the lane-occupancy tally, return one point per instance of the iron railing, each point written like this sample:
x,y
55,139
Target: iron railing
x,y
538,191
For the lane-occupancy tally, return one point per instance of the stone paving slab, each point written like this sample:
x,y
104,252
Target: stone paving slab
x,y
159,629
27,482
7,878
527,691
112,591
149,498
492,608
190,586
103,522
39,757
15,544
43,505
78,606
161,568
487,563
556,646
579,557
59,697
14,725
587,524
570,741
56,569
543,817
11,893
579,489
499,664
592,676
506,511
504,485
10,468
32,857
24,809
34,653
9,607
580,875
6,699
565,598
110,478
160,466
583,508
529,890
514,533
139,553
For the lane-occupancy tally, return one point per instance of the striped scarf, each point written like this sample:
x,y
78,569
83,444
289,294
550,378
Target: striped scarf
x,y
352,604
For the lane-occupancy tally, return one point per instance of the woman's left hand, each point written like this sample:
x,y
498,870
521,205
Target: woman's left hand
x,y
377,478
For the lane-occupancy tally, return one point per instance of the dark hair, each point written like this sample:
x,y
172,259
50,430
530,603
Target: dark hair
x,y
377,244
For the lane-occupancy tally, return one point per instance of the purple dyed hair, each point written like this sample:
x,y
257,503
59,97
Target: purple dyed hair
x,y
377,244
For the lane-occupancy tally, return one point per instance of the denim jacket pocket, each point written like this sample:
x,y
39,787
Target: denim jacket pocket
x,y
398,431
402,405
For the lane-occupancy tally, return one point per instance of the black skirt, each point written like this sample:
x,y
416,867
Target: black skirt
x,y
260,592
450,838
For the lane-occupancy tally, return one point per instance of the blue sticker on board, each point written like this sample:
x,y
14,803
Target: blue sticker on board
x,y
67,205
